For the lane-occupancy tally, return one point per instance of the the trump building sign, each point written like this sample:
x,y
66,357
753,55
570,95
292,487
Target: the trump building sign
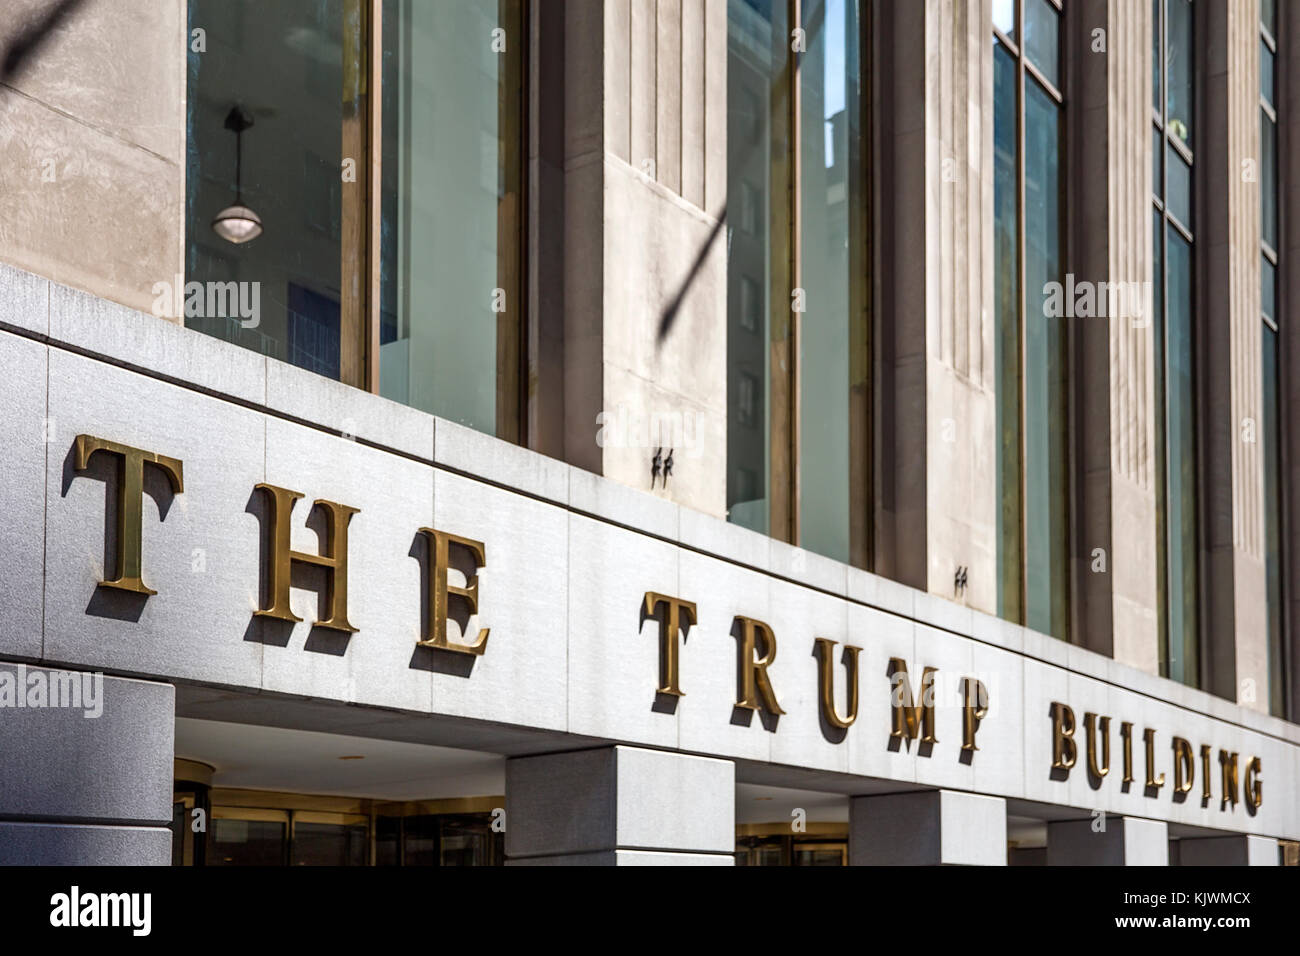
x,y
1109,749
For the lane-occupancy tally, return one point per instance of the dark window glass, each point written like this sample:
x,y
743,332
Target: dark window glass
x,y
1157,164
420,841
179,826
1272,521
756,106
1180,405
329,844
1031,357
1006,257
1161,429
466,842
1268,179
246,843
1173,337
1270,397
1268,289
1178,187
388,835
770,851
829,307
1265,72
818,855
1046,481
1178,68
284,83
1156,72
1042,41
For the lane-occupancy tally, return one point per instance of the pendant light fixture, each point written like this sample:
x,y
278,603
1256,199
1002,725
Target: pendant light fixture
x,y
238,223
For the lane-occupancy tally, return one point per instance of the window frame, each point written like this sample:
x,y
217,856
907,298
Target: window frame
x,y
785,254
1160,205
1278,651
360,210
1027,71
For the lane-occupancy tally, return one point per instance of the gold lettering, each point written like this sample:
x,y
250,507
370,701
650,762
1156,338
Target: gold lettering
x,y
975,707
333,558
1254,786
909,718
1090,728
755,689
1126,735
440,592
1064,750
1205,773
1184,766
669,626
1228,764
826,681
1149,737
130,502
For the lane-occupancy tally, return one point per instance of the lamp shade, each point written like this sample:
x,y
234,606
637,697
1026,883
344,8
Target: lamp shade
x,y
237,224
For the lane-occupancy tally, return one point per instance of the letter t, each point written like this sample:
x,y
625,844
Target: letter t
x,y
130,502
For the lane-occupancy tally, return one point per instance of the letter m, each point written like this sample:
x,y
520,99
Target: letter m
x,y
119,905
65,689
909,717
223,299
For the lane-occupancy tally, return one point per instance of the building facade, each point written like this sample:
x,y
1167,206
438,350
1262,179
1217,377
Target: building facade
x,y
754,432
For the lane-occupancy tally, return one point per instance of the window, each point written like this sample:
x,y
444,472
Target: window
x,y
248,838
770,849
261,828
1270,424
1172,118
330,839
452,209
366,160
799,390
1031,347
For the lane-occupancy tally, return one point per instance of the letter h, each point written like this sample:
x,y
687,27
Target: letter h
x,y
333,558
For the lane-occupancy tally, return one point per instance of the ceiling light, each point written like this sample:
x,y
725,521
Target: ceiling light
x,y
238,223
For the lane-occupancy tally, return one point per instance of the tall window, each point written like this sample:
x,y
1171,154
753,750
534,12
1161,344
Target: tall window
x,y
798,353
1173,340
1270,430
451,288
373,153
1031,354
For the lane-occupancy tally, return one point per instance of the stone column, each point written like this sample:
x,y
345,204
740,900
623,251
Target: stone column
x,y
1109,125
1234,623
645,271
1239,849
1126,841
620,806
937,500
87,782
928,828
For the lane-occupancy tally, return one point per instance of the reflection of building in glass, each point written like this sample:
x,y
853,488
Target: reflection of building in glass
x,y
753,94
